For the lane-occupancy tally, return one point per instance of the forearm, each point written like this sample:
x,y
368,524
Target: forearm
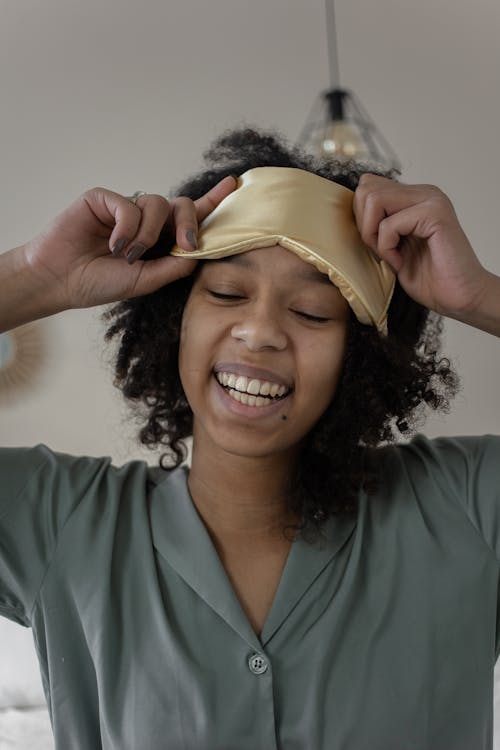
x,y
23,296
486,314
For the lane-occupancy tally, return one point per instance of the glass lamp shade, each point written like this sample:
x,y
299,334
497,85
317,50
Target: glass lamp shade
x,y
340,129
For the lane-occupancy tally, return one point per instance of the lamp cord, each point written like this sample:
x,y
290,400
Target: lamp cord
x,y
332,44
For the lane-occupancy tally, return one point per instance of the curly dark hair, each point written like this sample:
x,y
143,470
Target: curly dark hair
x,y
386,383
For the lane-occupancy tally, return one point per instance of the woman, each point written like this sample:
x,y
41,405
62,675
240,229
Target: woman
x,y
168,605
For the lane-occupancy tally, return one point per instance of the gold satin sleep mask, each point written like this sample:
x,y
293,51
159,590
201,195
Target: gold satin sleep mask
x,y
309,215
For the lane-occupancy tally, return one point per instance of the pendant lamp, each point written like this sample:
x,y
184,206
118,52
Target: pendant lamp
x,y
338,127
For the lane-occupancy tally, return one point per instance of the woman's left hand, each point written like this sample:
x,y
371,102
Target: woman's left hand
x,y
415,229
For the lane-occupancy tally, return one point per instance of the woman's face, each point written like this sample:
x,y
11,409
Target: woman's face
x,y
262,325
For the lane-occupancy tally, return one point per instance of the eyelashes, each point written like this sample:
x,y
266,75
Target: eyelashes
x,y
314,318
224,296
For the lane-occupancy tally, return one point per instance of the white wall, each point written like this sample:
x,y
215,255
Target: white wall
x,y
127,95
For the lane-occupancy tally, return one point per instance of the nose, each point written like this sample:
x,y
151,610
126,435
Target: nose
x,y
260,328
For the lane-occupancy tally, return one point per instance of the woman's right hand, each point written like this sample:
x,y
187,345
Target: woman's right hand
x,y
73,256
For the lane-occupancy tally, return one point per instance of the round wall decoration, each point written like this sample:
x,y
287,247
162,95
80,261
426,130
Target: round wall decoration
x,y
21,354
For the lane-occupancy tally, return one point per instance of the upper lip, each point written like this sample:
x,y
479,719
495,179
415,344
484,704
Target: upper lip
x,y
238,368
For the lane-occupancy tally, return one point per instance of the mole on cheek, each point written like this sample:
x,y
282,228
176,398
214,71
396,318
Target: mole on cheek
x,y
283,416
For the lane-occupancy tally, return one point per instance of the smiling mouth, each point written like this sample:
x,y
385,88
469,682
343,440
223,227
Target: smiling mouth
x,y
268,399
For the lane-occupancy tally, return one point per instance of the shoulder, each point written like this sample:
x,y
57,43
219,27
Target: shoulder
x,y
443,451
41,468
451,462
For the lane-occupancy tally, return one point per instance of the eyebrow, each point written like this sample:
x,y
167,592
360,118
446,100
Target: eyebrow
x,y
306,274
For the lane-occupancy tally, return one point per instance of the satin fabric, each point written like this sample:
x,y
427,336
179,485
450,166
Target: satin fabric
x,y
310,216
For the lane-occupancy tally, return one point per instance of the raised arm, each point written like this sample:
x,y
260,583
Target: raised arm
x,y
485,314
78,261
24,296
415,229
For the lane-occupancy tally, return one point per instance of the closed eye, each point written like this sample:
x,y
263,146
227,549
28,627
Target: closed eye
x,y
312,317
224,296
315,318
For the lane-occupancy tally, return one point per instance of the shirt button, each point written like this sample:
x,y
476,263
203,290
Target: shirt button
x,y
257,664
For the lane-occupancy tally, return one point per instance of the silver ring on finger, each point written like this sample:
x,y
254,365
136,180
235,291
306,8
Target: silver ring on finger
x,y
137,195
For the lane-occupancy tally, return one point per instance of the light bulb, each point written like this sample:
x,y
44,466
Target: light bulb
x,y
341,140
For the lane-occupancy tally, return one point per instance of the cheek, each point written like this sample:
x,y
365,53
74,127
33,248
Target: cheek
x,y
192,325
188,346
185,330
196,346
323,367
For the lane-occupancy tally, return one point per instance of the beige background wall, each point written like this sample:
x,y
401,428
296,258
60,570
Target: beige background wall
x,y
128,95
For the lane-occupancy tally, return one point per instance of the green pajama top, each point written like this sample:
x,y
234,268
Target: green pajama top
x,y
382,637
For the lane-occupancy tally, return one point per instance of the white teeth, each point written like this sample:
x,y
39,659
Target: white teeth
x,y
245,398
253,386
241,384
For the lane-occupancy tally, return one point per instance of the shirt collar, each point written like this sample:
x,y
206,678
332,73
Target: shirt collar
x,y
182,539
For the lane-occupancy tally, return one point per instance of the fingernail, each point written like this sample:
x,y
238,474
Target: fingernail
x,y
118,246
134,253
191,238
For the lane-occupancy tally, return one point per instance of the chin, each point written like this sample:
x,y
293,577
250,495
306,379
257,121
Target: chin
x,y
253,447
245,447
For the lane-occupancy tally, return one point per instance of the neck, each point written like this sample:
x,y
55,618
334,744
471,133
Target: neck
x,y
241,499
